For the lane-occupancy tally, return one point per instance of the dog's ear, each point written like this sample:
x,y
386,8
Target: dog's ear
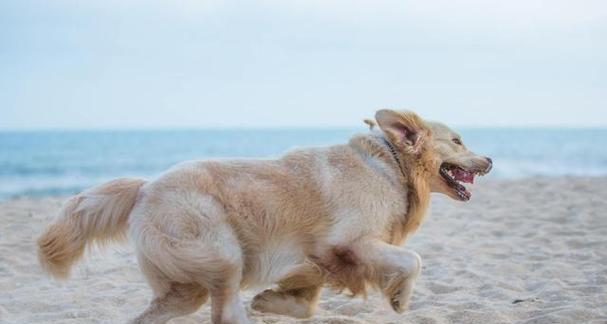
x,y
403,129
370,122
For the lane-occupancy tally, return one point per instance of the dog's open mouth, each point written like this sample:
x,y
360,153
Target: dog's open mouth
x,y
455,177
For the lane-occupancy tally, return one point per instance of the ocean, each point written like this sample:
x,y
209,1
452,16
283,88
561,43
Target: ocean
x,y
40,163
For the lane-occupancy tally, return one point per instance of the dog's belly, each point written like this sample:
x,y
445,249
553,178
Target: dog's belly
x,y
273,262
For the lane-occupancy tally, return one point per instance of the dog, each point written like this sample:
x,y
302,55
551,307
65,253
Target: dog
x,y
336,215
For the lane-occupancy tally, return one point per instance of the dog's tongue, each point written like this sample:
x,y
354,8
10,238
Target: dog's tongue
x,y
463,175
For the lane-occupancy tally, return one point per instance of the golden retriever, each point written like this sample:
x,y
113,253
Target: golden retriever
x,y
335,215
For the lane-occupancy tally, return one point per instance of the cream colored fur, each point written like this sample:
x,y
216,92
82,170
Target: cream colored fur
x,y
335,215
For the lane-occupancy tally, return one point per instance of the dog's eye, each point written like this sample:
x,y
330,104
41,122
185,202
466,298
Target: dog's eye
x,y
457,141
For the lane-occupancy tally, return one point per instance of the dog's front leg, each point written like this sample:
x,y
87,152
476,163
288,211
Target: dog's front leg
x,y
394,269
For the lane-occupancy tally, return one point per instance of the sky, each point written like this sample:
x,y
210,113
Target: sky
x,y
67,64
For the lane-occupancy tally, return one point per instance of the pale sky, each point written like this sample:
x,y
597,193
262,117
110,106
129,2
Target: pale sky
x,y
305,63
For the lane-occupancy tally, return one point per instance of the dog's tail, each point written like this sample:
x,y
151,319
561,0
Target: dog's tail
x,y
99,214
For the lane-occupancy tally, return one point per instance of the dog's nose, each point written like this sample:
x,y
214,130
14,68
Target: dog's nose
x,y
490,166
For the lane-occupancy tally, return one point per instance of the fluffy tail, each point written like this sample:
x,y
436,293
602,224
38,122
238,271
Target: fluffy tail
x,y
99,214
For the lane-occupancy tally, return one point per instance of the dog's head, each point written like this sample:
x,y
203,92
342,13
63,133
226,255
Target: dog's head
x,y
458,165
442,151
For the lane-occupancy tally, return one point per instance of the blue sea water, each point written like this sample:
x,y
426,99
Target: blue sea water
x,y
41,163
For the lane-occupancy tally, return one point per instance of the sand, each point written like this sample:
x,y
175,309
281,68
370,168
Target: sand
x,y
524,251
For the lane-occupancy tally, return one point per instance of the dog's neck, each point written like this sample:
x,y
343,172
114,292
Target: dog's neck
x,y
374,145
413,175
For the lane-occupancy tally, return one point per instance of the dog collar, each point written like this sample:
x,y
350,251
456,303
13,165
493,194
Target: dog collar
x,y
395,155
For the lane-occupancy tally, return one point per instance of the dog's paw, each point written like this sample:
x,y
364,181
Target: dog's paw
x,y
270,301
399,293
261,302
399,302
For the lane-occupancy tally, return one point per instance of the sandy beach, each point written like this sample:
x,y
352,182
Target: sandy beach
x,y
522,251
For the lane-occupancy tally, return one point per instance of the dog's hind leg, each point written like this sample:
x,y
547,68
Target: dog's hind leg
x,y
188,275
226,305
297,294
171,299
224,285
197,246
